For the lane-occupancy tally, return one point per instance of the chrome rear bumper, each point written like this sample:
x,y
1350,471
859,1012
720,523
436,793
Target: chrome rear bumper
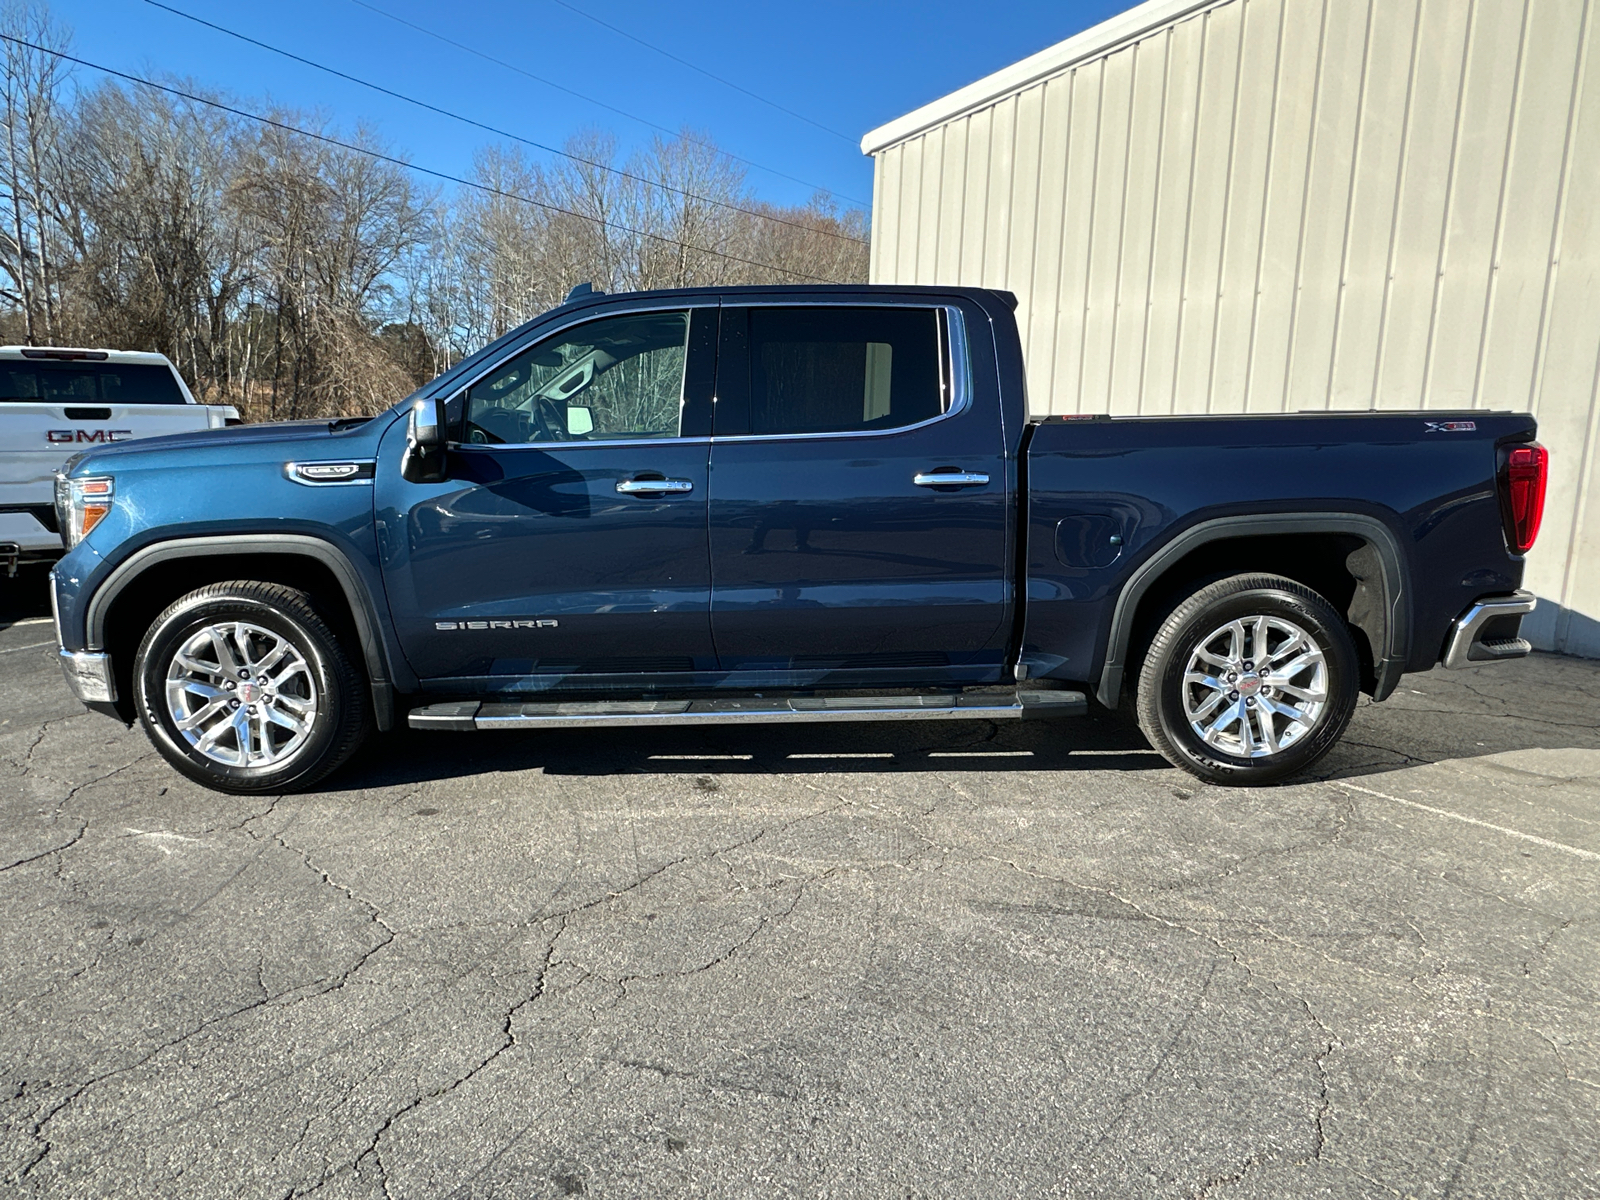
x,y
1468,645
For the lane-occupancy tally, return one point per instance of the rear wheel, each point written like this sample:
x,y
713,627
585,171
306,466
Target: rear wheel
x,y
244,687
1250,679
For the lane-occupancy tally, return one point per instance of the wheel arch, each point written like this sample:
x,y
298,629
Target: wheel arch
x,y
1380,604
172,568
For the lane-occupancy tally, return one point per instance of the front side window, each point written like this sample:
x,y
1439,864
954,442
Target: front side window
x,y
615,378
833,370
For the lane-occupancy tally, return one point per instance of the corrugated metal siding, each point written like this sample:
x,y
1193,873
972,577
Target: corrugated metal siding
x,y
1277,205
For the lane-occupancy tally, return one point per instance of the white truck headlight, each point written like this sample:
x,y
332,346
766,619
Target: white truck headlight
x,y
81,504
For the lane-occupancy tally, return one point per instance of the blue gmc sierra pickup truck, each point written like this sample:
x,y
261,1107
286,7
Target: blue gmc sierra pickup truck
x,y
781,504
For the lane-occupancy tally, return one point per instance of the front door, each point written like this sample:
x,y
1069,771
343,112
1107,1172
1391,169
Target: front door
x,y
859,508
568,546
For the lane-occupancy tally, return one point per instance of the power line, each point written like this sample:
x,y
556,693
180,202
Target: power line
x,y
621,112
693,67
454,116
400,162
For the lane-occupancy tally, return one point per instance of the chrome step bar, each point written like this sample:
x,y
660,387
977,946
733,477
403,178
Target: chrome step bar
x,y
577,714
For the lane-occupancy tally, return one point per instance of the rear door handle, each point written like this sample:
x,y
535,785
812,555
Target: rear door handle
x,y
633,487
950,479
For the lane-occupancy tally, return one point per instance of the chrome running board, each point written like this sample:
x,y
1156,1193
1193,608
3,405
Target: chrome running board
x,y
575,714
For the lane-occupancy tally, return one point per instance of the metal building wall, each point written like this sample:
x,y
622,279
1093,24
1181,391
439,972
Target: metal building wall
x,y
1274,205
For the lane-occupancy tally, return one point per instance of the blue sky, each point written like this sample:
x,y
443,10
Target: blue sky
x,y
846,66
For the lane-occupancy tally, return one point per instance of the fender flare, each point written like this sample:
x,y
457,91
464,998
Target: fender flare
x,y
1394,574
362,608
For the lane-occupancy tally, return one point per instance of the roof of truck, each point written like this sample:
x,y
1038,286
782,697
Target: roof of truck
x,y
83,354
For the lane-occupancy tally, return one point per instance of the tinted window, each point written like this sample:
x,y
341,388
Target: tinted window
x,y
88,383
829,370
621,377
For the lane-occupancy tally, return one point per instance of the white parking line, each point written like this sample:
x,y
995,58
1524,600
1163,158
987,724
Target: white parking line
x,y
1455,816
29,646
841,756
700,757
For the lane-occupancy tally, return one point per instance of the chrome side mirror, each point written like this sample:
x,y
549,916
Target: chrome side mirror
x,y
424,459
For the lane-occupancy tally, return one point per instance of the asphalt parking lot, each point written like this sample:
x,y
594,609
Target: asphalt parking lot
x,y
865,960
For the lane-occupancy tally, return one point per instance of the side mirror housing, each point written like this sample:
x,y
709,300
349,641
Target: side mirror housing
x,y
425,443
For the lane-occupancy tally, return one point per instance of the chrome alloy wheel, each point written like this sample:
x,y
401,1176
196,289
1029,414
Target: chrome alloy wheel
x,y
241,695
1255,687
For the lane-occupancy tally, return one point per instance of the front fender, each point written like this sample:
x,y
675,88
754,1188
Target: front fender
x,y
86,586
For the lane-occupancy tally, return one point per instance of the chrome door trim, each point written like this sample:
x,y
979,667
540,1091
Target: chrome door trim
x,y
480,447
950,479
953,337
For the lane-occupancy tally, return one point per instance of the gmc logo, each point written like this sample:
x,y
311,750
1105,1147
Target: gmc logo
x,y
68,437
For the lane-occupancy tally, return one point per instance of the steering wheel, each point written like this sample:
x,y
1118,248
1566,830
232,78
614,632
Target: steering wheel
x,y
549,421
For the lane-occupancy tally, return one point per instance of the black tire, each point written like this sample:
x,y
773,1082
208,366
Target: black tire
x,y
340,712
1203,617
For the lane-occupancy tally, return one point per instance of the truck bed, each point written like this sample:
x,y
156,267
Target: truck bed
x,y
1106,495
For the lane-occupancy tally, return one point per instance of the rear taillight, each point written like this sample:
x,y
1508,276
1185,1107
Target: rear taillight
x,y
1522,494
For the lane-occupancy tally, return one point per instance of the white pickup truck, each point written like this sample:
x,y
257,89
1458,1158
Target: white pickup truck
x,y
56,402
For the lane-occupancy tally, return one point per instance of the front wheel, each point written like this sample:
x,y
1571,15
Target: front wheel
x,y
1249,680
245,688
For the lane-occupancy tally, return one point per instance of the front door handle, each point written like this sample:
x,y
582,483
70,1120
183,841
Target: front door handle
x,y
634,487
950,479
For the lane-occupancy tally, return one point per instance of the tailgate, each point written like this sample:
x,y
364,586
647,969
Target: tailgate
x,y
35,439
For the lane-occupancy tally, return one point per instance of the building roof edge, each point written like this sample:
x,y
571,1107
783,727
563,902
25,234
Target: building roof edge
x,y
1092,42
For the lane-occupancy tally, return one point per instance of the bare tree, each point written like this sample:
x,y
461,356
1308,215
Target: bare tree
x,y
297,277
31,83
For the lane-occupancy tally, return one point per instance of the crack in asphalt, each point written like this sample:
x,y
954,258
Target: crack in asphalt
x,y
392,1122
1332,1041
373,911
82,829
1165,1053
37,1132
373,1148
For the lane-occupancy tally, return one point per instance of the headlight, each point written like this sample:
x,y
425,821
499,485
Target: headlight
x,y
81,504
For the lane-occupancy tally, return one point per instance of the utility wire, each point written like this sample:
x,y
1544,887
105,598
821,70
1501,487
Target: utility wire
x,y
693,67
400,162
621,112
454,116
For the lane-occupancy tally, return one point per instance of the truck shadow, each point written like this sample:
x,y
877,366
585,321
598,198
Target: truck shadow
x,y
1546,702
845,748
25,595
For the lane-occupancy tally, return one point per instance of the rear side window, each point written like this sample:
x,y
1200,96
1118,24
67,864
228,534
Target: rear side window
x,y
93,383
837,370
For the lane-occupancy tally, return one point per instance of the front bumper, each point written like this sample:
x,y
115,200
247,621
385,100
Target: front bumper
x,y
1489,631
89,677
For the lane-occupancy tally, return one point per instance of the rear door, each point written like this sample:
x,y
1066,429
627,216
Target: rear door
x,y
568,546
859,508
